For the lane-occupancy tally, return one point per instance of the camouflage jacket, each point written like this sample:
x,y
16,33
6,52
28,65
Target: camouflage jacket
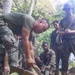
x,y
49,59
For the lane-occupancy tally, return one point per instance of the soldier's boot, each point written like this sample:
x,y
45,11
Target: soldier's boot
x,y
63,73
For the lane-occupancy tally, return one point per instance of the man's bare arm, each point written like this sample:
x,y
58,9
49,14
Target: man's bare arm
x,y
6,59
26,45
6,66
69,31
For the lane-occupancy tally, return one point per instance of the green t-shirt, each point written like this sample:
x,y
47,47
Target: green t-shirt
x,y
68,23
17,20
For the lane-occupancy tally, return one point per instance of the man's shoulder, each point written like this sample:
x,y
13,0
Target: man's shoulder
x,y
51,51
63,19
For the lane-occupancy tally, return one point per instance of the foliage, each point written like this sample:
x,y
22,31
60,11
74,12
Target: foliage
x,y
20,6
43,37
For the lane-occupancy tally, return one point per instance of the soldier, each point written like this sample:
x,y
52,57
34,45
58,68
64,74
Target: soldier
x,y
56,44
23,25
55,38
48,58
68,25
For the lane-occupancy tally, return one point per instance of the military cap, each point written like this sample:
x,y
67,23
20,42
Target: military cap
x,y
68,6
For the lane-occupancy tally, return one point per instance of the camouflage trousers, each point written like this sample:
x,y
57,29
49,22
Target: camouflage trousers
x,y
68,47
71,45
8,42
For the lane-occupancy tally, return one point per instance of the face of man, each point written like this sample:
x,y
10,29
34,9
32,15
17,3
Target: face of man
x,y
40,26
56,25
45,47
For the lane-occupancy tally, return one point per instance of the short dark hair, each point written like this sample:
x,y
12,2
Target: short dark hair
x,y
44,43
55,21
46,21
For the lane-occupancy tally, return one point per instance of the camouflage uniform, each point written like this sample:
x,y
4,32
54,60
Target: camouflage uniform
x,y
69,38
61,53
49,60
5,34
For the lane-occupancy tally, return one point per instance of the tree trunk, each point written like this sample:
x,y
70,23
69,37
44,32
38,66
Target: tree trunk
x,y
6,6
31,7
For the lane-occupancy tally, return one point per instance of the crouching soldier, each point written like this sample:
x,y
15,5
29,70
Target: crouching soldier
x,y
48,59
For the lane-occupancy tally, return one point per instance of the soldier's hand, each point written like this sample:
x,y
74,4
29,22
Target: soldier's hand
x,y
35,66
7,70
68,31
30,61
